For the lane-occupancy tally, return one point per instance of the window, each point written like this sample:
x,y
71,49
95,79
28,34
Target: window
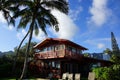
x,y
57,65
69,48
62,46
57,47
79,51
45,49
52,48
37,50
53,64
49,48
74,50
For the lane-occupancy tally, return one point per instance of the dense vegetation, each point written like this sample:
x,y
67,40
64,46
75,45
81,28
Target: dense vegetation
x,y
7,60
109,73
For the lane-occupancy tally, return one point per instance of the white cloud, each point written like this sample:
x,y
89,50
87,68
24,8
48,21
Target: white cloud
x,y
75,13
100,45
10,27
40,36
93,41
7,27
67,29
2,20
100,12
23,32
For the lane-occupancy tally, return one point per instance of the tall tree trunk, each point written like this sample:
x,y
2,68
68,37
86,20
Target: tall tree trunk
x,y
24,72
15,60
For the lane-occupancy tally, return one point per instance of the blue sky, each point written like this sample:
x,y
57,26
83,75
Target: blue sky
x,y
89,24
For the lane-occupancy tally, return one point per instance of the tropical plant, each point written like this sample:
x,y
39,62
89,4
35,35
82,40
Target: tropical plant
x,y
115,59
36,14
87,54
102,73
109,73
21,55
108,51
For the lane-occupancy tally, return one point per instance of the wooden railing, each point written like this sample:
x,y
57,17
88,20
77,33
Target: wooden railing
x,y
57,54
50,54
72,55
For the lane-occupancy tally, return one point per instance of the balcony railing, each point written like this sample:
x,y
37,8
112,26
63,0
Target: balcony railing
x,y
57,54
50,54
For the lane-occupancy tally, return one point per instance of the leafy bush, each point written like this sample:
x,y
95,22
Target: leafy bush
x,y
101,73
109,73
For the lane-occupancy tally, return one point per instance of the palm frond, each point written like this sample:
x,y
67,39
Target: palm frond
x,y
24,21
48,18
28,3
42,25
47,22
5,8
20,13
60,5
53,21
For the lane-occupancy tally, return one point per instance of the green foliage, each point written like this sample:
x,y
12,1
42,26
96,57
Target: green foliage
x,y
102,73
86,54
5,69
7,59
109,73
108,51
115,68
22,50
115,59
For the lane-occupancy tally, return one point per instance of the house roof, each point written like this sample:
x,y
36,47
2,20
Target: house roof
x,y
52,41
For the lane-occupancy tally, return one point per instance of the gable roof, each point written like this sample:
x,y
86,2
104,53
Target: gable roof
x,y
52,41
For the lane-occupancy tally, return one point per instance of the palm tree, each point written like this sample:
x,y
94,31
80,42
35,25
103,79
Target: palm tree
x,y
37,14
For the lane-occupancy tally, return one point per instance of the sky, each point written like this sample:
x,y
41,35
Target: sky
x,y
89,24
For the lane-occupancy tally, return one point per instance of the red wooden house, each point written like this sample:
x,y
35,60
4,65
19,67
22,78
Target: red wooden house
x,y
57,56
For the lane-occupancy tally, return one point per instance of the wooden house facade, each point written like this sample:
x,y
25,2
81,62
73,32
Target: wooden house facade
x,y
57,56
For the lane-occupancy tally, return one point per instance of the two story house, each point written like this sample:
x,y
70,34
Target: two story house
x,y
56,56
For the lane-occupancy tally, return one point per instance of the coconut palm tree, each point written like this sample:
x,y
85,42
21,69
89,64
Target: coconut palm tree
x,y
37,14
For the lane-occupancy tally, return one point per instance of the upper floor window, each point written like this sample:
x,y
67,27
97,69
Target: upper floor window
x,y
79,51
52,48
74,50
49,48
71,49
44,49
59,47
37,50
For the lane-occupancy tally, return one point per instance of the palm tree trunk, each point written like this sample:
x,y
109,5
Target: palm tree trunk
x,y
15,60
24,72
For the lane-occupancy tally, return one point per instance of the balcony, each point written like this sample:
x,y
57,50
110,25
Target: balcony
x,y
57,54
